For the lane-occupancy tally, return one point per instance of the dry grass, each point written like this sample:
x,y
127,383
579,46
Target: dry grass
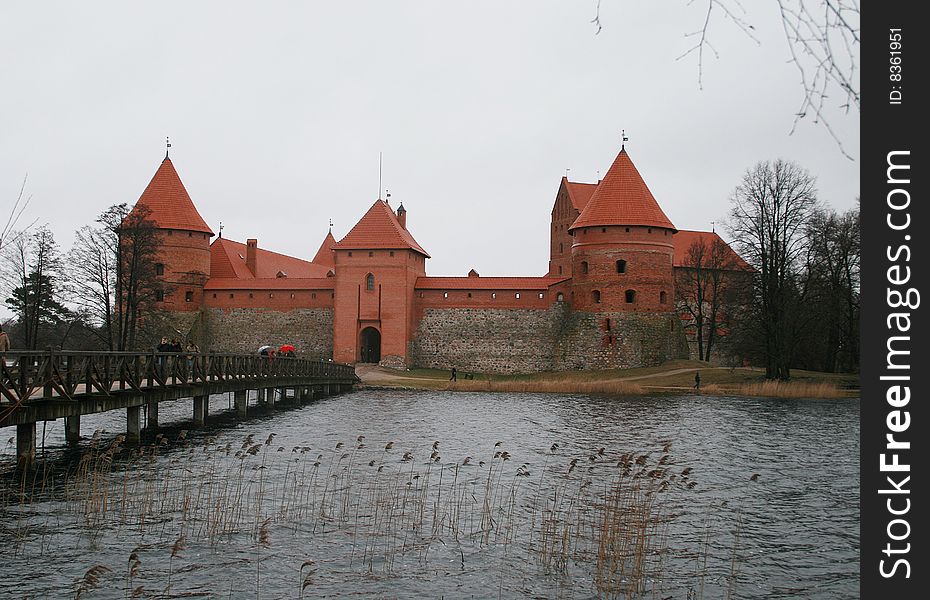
x,y
779,389
561,385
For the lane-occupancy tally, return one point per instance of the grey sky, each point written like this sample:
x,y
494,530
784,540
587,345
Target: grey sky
x,y
277,112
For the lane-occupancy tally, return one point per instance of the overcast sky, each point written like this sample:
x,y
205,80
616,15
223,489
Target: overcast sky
x,y
277,112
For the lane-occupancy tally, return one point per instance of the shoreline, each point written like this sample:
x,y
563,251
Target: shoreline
x,y
675,377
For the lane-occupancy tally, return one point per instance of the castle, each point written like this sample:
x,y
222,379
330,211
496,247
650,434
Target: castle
x,y
607,301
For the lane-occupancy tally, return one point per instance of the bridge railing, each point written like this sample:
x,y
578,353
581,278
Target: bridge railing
x,y
37,375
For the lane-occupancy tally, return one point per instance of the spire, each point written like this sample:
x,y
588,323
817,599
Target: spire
x,y
622,198
379,228
324,256
169,203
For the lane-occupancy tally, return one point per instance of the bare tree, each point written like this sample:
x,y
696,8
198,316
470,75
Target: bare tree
x,y
9,233
772,209
113,273
823,44
702,285
32,273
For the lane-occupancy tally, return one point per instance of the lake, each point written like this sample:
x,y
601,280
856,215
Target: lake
x,y
404,494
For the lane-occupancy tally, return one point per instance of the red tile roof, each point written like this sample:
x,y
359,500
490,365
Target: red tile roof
x,y
579,193
684,238
278,283
227,261
622,198
324,256
379,229
487,283
170,205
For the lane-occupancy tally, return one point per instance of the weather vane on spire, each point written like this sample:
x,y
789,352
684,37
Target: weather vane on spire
x,y
624,139
330,225
221,229
167,145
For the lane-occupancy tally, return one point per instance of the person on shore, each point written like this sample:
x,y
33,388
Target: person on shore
x,y
4,343
454,375
697,380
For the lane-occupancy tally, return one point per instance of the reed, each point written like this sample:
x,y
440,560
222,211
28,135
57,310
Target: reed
x,y
778,389
563,385
603,513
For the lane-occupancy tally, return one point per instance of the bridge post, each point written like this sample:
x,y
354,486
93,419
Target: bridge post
x,y
283,395
26,444
151,414
303,394
200,409
73,430
269,397
241,398
132,424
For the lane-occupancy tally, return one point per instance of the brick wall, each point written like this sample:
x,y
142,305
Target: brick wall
x,y
588,341
489,340
246,329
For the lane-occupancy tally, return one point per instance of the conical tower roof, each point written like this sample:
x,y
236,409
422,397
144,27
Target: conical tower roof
x,y
169,203
379,228
324,256
622,198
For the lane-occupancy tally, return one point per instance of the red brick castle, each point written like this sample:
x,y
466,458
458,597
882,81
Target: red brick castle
x,y
607,300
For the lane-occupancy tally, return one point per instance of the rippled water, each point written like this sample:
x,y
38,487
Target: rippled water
x,y
218,513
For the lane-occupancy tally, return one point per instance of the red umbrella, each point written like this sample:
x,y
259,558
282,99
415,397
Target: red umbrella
x,y
287,348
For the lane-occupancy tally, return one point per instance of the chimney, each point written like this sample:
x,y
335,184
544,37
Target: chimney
x,y
402,215
251,249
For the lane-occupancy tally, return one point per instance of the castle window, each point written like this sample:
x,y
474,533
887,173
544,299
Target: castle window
x,y
469,294
313,295
292,295
560,297
271,295
628,230
370,254
649,230
540,295
232,295
584,267
391,253
630,296
369,282
621,266
251,295
350,254
493,295
190,234
603,230
214,294
517,295
607,323
445,294
662,297
159,295
596,296
560,269
560,247
188,296
159,269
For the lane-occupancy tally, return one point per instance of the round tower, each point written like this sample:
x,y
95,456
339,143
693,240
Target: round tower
x,y
182,263
622,250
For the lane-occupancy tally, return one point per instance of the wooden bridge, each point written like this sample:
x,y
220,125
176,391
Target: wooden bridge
x,y
45,386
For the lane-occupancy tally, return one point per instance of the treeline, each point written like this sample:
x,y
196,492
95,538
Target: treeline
x,y
795,303
98,296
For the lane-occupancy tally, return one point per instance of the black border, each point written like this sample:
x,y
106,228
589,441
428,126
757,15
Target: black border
x,y
888,127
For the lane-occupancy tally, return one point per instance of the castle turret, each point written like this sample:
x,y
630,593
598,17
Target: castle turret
x,y
377,265
622,247
183,263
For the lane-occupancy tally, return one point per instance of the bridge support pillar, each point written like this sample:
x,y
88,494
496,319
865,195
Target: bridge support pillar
x,y
303,394
241,398
326,389
269,397
133,414
201,404
73,430
282,397
151,415
26,444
